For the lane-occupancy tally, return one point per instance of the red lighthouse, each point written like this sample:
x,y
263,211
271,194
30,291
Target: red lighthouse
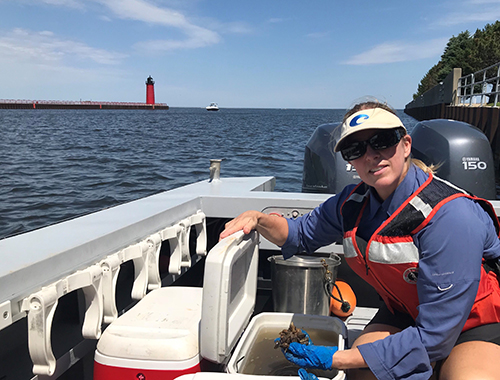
x,y
150,91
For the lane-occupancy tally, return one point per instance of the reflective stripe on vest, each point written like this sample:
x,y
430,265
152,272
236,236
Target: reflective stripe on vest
x,y
395,253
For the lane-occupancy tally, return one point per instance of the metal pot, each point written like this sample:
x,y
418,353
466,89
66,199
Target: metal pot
x,y
299,283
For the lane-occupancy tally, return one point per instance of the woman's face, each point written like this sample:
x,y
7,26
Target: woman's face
x,y
383,169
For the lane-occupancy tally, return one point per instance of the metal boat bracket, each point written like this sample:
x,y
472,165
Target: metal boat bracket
x,y
138,254
185,253
41,307
145,256
110,269
173,235
197,220
200,223
178,237
142,254
153,245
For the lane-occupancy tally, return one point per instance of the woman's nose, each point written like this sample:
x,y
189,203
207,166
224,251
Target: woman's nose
x,y
371,153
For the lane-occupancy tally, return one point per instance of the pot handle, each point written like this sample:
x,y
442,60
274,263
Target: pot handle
x,y
329,283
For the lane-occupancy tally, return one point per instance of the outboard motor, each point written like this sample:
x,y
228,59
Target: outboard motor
x,y
326,171
463,152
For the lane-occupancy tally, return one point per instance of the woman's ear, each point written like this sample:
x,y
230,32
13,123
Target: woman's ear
x,y
407,145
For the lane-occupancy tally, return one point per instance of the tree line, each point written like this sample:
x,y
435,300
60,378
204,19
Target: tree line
x,y
469,52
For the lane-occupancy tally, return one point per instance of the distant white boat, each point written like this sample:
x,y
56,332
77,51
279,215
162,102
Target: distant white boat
x,y
212,107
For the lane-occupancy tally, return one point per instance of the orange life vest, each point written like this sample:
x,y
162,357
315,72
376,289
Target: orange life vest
x,y
389,260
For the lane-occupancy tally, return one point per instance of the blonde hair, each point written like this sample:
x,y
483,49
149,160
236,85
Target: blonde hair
x,y
427,169
368,105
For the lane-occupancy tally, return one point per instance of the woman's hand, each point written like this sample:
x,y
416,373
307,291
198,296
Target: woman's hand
x,y
247,222
304,375
273,227
311,356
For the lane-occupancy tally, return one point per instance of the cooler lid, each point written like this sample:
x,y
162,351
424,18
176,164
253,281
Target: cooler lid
x,y
164,326
229,293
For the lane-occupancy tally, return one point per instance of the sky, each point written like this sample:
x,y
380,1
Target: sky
x,y
249,54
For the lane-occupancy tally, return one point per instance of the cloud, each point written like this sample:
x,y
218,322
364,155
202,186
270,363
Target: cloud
x,y
471,11
140,10
479,2
318,35
398,51
148,12
67,3
45,48
44,65
278,20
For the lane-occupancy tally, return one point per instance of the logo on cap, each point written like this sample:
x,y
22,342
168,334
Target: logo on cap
x,y
358,120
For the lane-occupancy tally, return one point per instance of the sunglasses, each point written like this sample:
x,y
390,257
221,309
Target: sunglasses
x,y
382,140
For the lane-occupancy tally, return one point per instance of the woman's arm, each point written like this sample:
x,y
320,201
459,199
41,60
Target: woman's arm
x,y
348,359
320,227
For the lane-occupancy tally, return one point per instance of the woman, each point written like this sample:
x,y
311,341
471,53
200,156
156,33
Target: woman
x,y
420,242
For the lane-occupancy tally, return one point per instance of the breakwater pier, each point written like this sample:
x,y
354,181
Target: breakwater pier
x,y
87,105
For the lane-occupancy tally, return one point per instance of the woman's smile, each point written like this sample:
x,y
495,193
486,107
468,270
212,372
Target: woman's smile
x,y
377,169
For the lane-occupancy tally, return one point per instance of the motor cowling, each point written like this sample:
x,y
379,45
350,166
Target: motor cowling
x,y
461,151
326,171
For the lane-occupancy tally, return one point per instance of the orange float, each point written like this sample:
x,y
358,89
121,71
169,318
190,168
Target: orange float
x,y
343,303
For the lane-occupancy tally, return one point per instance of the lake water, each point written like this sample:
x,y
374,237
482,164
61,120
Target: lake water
x,y
59,164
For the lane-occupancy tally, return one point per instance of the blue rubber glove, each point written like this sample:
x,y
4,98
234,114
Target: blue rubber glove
x,y
311,356
304,375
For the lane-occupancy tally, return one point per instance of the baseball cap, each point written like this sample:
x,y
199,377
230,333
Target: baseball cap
x,y
373,118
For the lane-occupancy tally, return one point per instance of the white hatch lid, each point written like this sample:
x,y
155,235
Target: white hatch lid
x,y
229,293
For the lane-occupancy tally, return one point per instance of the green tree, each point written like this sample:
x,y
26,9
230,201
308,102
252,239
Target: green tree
x,y
457,53
486,47
470,53
429,80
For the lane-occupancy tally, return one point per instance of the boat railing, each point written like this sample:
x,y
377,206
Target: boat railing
x,y
98,283
480,88
83,257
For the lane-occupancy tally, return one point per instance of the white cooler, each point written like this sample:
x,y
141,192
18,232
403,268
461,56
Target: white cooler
x,y
156,339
